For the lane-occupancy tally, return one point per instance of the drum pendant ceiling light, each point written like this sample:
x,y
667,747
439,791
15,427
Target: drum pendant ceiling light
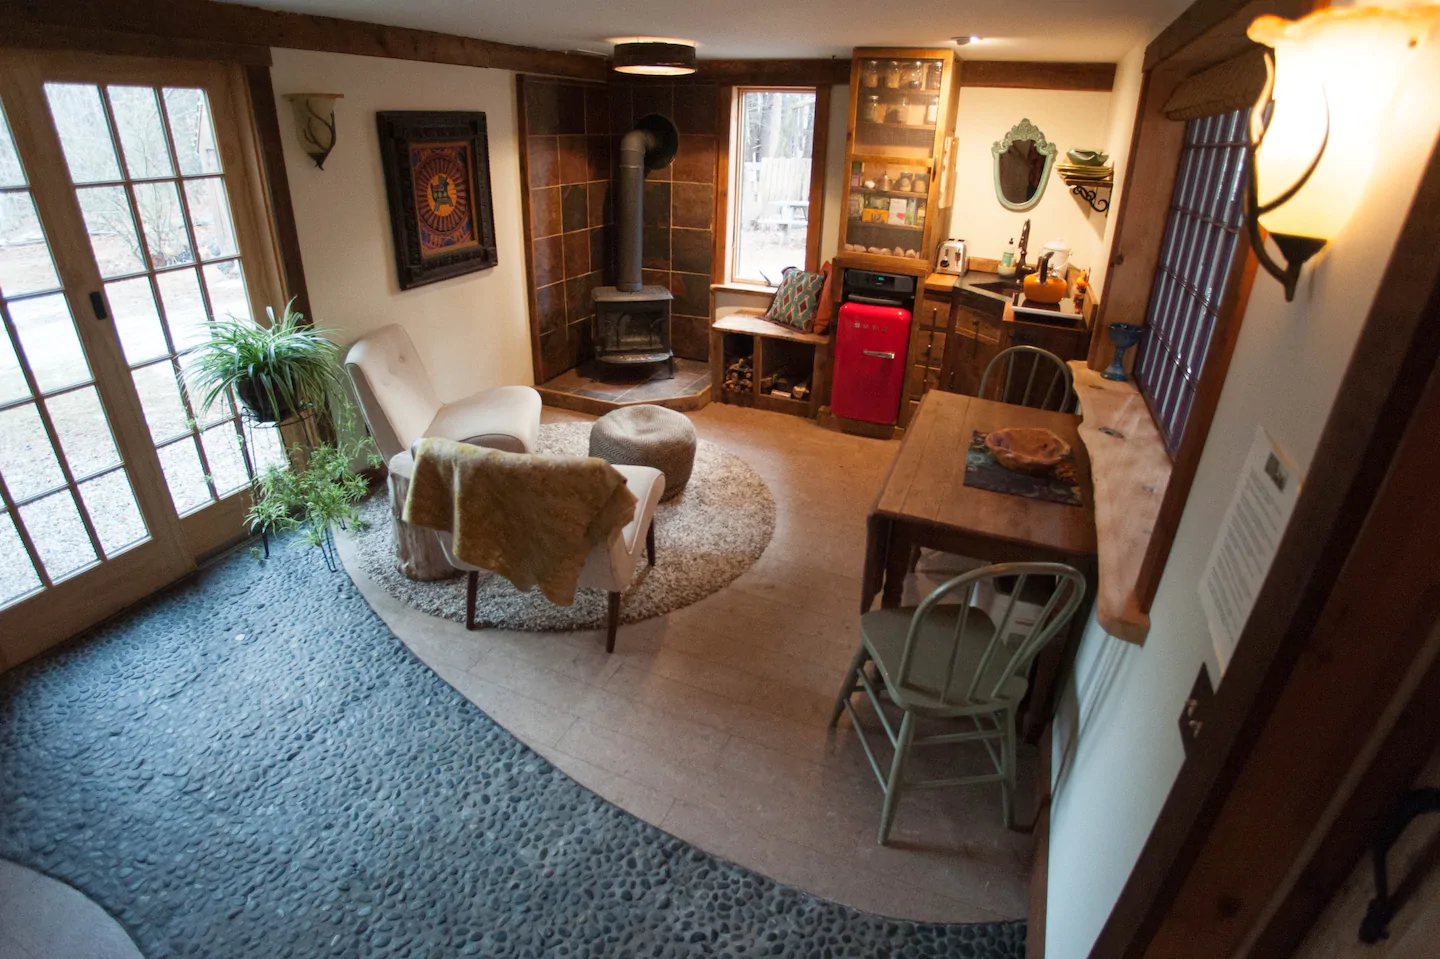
x,y
654,56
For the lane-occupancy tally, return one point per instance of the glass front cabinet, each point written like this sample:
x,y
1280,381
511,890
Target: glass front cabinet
x,y
899,157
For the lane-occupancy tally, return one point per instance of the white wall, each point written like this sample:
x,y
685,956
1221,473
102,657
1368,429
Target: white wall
x,y
1069,119
1124,101
1117,746
834,171
472,331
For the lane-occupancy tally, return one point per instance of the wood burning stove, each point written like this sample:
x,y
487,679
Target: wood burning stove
x,y
632,321
633,327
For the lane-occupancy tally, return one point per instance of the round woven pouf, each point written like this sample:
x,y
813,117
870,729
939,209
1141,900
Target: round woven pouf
x,y
647,436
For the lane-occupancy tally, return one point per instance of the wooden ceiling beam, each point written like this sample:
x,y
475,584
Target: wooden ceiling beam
x,y
1038,75
780,73
204,21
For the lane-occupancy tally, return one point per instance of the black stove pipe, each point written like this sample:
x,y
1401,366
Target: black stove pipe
x,y
650,146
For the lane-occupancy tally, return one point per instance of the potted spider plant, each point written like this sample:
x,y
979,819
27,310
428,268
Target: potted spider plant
x,y
313,498
281,372
277,371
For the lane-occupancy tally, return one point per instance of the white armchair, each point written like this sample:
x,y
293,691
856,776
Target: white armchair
x,y
400,405
610,565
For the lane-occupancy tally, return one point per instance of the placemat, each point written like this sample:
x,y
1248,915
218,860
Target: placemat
x,y
1060,485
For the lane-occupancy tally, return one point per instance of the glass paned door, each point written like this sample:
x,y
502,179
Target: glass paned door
x,y
66,499
149,177
128,224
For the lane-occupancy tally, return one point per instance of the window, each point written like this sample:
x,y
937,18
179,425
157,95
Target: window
x,y
770,184
1197,261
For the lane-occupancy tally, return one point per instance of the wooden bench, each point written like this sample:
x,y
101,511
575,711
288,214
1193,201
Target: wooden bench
x,y
770,346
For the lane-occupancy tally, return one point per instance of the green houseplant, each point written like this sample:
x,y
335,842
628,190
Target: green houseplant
x,y
313,498
278,372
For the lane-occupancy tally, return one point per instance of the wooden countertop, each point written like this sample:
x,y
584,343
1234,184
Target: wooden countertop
x,y
1131,472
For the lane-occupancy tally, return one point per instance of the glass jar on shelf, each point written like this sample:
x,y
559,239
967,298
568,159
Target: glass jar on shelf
x,y
870,74
896,112
904,184
892,75
872,109
932,111
934,73
915,76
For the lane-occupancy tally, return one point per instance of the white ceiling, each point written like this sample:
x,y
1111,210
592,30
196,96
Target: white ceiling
x,y
1075,30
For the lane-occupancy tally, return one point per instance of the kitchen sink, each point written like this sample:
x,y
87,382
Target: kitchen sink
x,y
997,286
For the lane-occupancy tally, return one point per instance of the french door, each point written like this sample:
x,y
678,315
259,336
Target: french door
x,y
128,222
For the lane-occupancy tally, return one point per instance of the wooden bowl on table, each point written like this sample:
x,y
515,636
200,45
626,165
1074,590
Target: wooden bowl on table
x,y
1029,450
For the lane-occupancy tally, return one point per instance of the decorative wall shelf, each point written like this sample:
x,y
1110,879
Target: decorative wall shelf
x,y
1089,191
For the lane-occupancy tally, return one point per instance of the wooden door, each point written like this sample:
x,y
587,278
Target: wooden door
x,y
127,223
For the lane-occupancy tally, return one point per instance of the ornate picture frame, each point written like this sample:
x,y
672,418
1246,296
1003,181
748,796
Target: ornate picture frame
x,y
437,179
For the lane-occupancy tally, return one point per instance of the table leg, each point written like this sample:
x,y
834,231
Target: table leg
x,y
1054,663
877,541
897,567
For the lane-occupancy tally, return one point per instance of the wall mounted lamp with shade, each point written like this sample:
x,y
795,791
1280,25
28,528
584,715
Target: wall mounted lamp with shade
x,y
315,123
1332,78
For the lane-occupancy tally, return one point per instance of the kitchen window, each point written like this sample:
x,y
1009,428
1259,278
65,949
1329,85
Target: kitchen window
x,y
772,222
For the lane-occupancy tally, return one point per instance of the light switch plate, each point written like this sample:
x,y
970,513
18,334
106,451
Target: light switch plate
x,y
1196,709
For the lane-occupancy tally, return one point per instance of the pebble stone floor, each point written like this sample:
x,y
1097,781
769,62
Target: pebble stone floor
x,y
250,764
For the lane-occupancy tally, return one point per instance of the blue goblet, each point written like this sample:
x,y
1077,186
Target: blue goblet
x,y
1123,336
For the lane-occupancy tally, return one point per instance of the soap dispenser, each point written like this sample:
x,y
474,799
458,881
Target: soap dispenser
x,y
1007,260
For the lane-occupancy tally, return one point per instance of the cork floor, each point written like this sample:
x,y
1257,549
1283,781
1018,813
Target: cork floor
x,y
710,722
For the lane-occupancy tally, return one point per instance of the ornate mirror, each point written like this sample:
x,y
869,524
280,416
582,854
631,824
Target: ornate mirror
x,y
1022,166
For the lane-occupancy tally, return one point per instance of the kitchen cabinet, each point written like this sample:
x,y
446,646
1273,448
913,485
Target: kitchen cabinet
x,y
1066,342
976,339
929,338
899,156
957,331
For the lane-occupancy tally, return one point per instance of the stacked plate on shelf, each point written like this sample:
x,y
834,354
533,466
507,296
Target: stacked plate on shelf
x,y
1085,165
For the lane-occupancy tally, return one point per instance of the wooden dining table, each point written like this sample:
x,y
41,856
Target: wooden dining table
x,y
924,502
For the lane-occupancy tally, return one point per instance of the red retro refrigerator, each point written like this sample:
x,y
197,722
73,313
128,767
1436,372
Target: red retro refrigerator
x,y
870,350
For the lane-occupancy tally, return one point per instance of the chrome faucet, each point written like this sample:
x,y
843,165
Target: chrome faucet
x,y
1021,270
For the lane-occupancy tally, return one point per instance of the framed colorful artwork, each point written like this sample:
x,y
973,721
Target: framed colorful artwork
x,y
437,176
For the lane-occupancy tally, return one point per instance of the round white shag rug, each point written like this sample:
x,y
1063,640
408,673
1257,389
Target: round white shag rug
x,y
704,538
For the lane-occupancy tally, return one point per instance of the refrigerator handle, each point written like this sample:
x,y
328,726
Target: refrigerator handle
x,y
883,356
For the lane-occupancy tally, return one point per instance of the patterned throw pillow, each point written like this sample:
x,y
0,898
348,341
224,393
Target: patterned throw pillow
x,y
797,299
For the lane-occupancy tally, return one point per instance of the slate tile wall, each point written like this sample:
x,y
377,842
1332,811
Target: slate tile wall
x,y
565,141
570,140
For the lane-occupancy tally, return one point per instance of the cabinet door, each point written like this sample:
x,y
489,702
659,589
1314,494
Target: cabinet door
x,y
935,313
1066,344
974,343
927,363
